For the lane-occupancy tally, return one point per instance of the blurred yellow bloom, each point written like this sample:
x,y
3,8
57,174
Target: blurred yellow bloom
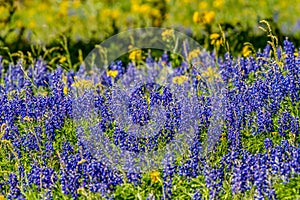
x,y
206,17
65,90
135,55
2,9
112,73
223,136
214,36
49,18
145,9
246,51
203,5
63,10
115,14
82,84
2,197
42,6
154,176
32,24
216,39
76,3
31,12
19,23
135,8
62,59
198,77
209,17
211,74
167,34
218,3
194,54
180,79
29,119
196,17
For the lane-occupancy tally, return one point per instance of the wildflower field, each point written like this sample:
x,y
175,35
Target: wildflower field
x,y
99,101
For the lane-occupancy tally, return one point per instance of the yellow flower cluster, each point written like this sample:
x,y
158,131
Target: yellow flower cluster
x,y
154,176
180,79
112,73
194,54
216,39
211,74
246,51
167,34
28,119
206,17
110,13
136,55
83,84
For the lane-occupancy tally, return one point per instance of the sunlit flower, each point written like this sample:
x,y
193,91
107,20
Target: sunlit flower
x,y
246,51
218,3
62,59
180,79
194,54
82,84
154,176
196,17
206,17
112,73
211,74
26,118
167,34
32,24
135,55
203,5
65,90
216,39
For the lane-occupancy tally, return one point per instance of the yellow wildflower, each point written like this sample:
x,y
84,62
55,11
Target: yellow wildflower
x,y
218,3
216,39
223,136
112,73
76,3
167,34
196,17
145,8
62,59
26,118
32,24
64,8
194,54
136,55
65,90
211,74
115,14
2,197
19,23
180,79
82,84
154,176
246,51
203,5
206,17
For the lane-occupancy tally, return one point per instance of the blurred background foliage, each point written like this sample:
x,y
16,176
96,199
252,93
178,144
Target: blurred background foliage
x,y
32,27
